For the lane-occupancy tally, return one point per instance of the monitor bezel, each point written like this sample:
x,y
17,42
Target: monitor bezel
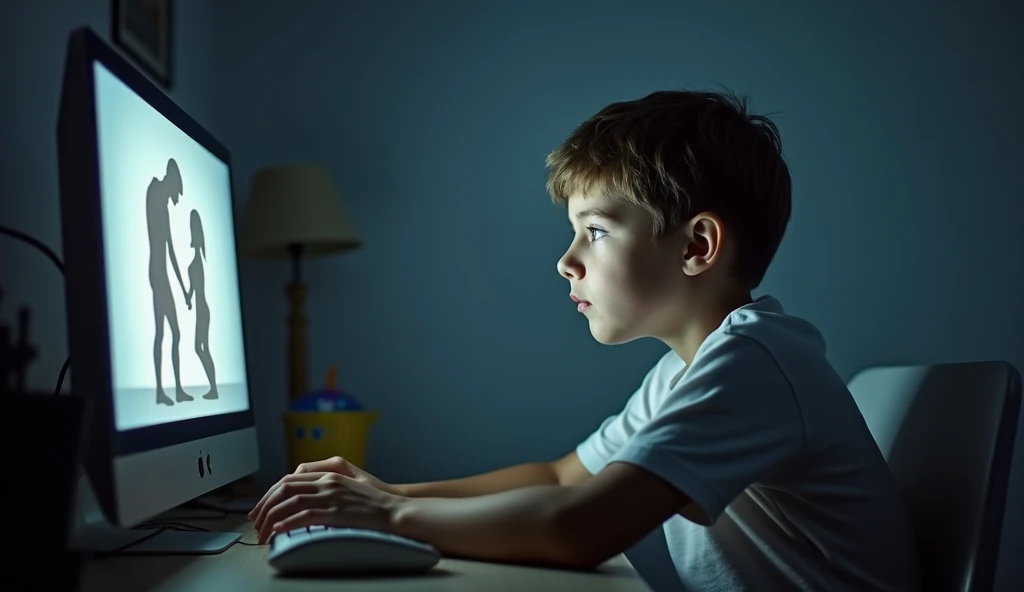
x,y
85,286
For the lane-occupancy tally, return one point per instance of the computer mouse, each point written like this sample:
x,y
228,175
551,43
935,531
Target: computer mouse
x,y
329,550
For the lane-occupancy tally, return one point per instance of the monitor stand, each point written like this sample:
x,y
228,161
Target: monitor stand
x,y
94,533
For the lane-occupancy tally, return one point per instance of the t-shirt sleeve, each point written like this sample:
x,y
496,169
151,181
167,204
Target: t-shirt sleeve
x,y
731,421
599,448
595,452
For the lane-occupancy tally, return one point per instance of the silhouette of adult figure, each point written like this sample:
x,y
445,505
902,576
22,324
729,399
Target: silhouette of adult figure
x,y
197,287
158,222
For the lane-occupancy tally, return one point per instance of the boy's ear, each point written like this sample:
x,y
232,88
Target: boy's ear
x,y
704,237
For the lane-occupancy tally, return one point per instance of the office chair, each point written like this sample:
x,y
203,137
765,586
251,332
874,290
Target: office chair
x,y
947,433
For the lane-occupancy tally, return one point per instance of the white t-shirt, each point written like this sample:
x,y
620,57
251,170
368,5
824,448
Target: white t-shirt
x,y
762,434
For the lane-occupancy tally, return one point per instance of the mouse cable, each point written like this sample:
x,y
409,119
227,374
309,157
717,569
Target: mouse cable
x,y
163,525
121,549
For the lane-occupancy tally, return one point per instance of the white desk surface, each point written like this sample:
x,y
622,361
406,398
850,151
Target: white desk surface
x,y
244,567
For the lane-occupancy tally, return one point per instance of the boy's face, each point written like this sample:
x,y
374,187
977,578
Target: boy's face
x,y
634,285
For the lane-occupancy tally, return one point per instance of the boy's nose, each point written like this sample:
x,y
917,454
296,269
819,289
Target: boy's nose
x,y
569,268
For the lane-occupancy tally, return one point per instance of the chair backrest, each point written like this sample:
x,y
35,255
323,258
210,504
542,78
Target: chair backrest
x,y
947,433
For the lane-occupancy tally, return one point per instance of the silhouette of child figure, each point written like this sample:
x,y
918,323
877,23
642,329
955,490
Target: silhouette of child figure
x,y
197,287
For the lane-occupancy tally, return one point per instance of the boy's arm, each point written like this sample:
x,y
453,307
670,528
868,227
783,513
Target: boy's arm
x,y
575,526
567,470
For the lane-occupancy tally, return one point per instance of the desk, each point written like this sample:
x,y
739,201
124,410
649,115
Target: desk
x,y
244,567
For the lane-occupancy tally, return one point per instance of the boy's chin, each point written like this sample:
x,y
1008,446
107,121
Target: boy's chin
x,y
610,335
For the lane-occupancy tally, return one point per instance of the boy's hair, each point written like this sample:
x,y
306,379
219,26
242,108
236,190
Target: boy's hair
x,y
678,153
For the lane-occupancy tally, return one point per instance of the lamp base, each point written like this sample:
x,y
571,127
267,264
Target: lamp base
x,y
298,339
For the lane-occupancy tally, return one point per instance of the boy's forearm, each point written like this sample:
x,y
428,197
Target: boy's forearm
x,y
515,477
518,526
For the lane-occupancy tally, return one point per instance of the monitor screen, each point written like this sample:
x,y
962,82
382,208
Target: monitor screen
x,y
154,310
171,278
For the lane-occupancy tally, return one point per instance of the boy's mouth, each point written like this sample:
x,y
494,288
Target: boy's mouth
x,y
581,305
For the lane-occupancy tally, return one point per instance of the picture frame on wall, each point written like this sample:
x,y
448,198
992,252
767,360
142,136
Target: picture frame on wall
x,y
144,30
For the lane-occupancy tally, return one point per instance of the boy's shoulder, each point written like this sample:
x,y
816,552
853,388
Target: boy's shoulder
x,y
766,315
757,337
766,323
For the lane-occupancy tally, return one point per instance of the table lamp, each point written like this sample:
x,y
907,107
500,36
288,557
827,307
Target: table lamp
x,y
295,212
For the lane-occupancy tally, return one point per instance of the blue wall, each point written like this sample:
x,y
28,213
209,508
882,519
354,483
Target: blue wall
x,y
901,124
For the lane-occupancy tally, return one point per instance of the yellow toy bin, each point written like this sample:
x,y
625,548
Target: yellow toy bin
x,y
316,435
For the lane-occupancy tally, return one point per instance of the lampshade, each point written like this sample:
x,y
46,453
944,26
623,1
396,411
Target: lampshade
x,y
293,205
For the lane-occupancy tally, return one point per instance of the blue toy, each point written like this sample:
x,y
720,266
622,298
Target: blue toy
x,y
328,399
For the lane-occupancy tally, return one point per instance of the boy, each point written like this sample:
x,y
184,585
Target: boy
x,y
742,441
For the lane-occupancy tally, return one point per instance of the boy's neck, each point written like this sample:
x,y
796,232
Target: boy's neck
x,y
702,319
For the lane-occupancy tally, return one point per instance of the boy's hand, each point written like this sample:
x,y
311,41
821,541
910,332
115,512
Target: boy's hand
x,y
338,465
334,464
328,499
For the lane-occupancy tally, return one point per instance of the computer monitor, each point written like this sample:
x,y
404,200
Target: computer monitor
x,y
153,306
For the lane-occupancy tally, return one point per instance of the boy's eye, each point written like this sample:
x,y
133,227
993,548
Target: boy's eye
x,y
593,231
